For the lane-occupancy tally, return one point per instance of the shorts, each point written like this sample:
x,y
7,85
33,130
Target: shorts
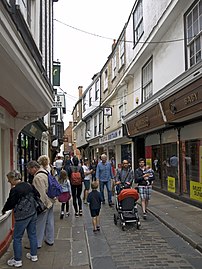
x,y
86,184
145,192
94,212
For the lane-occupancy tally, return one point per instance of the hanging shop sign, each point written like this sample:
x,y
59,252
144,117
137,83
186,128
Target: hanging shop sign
x,y
56,74
59,101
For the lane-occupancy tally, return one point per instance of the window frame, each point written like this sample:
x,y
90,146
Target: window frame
x,y
149,82
193,34
138,22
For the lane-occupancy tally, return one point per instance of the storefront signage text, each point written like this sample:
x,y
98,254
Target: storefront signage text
x,y
142,123
196,191
191,98
111,136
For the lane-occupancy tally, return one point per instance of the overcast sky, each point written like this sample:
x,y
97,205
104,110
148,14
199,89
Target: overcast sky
x,y
82,55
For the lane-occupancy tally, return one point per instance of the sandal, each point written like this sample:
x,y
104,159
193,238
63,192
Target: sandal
x,y
80,213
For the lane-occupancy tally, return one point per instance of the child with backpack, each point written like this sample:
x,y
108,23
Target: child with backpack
x,y
94,199
65,196
76,176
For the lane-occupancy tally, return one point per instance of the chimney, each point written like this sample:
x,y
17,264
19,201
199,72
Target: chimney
x,y
80,88
114,43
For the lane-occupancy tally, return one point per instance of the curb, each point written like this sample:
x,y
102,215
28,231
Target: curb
x,y
178,232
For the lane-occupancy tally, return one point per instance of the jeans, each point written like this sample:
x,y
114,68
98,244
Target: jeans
x,y
45,227
20,225
109,190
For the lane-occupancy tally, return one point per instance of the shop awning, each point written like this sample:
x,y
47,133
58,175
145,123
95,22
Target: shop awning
x,y
35,129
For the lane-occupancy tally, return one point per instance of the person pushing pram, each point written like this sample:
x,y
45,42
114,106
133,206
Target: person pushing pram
x,y
124,177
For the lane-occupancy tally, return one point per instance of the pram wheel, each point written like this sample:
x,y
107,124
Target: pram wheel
x,y
115,219
123,227
138,224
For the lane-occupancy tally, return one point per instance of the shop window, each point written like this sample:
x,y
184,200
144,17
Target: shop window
x,y
126,153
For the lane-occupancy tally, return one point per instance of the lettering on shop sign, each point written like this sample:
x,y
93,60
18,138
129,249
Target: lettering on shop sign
x,y
191,98
142,123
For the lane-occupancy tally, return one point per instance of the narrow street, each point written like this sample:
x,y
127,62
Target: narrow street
x,y
153,246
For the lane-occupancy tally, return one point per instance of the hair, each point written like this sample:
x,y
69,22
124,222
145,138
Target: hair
x,y
141,160
75,161
33,164
43,160
103,156
94,185
63,176
14,174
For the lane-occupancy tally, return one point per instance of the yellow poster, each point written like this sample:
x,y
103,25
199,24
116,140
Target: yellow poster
x,y
171,184
196,191
149,162
200,164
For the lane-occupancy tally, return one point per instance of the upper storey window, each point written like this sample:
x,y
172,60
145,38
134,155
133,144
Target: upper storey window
x,y
138,22
194,34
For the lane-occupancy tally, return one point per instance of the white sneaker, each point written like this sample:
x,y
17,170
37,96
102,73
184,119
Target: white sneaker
x,y
13,262
32,258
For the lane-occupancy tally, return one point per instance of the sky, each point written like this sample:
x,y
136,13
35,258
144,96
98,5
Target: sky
x,y
81,54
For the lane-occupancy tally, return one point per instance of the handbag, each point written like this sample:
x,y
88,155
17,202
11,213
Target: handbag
x,y
64,197
40,207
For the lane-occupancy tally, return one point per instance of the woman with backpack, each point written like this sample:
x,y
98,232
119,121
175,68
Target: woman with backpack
x,y
76,176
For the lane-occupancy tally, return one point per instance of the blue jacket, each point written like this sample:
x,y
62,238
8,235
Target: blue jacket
x,y
104,171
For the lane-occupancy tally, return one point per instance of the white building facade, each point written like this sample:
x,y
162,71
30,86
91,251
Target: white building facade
x,y
26,94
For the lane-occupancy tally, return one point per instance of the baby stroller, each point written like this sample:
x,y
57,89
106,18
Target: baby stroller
x,y
127,208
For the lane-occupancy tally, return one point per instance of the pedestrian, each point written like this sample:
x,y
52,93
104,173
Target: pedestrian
x,y
145,187
66,193
104,175
93,165
76,176
44,162
67,163
45,220
124,177
21,199
87,179
148,170
94,199
58,165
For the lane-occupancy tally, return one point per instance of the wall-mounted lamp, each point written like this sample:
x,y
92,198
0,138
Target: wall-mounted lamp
x,y
137,100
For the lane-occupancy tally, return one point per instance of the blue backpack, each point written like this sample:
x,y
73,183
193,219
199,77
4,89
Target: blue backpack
x,y
54,188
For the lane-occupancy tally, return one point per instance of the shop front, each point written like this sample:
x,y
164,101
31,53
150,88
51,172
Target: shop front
x,y
117,146
171,134
29,145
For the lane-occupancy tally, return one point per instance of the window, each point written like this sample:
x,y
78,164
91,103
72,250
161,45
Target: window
x,y
120,111
95,125
121,52
100,123
77,112
88,130
84,103
105,79
194,34
147,82
138,22
97,88
90,97
114,66
29,12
